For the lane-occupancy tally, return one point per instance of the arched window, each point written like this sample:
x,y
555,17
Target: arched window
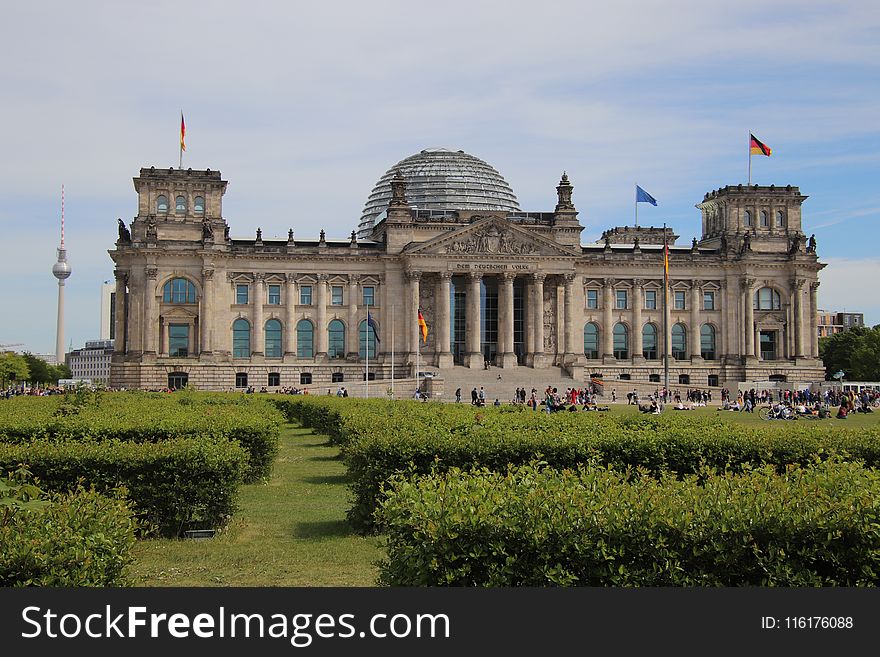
x,y
747,218
179,290
780,219
199,205
336,339
162,204
649,342
366,341
679,342
180,204
591,340
273,339
241,338
765,219
305,339
621,342
766,299
707,341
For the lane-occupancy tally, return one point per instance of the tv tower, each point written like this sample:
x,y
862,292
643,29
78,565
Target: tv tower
x,y
61,270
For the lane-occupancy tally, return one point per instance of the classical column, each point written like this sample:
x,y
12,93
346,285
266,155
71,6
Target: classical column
x,y
120,333
151,315
694,342
443,347
505,330
539,357
473,338
570,324
638,303
747,285
722,323
607,319
257,350
814,319
797,286
412,325
353,336
321,318
290,300
206,317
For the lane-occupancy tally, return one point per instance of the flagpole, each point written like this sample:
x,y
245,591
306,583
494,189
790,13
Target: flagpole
x,y
749,183
367,330
665,311
637,206
392,352
418,351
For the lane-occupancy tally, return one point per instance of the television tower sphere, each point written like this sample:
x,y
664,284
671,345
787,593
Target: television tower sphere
x,y
61,269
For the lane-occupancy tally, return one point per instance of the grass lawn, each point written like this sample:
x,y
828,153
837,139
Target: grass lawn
x,y
289,532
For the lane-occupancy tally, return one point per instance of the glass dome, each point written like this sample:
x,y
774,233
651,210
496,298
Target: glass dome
x,y
440,179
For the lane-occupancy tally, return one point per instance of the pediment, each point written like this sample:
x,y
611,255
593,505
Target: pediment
x,y
492,236
179,313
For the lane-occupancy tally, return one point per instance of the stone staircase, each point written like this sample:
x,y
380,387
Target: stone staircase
x,y
504,388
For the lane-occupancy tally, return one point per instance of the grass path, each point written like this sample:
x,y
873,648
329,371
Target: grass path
x,y
290,531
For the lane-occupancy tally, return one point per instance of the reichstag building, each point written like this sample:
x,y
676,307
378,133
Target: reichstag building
x,y
443,233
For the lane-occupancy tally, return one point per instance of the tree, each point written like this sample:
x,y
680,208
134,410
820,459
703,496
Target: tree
x,y
13,367
61,371
856,352
39,369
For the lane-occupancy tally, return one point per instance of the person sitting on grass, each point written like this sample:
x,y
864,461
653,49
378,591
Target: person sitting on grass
x,y
842,411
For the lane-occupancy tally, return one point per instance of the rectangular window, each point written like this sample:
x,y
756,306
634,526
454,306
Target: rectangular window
x,y
369,295
708,301
621,299
592,299
241,295
679,301
274,295
335,295
305,295
178,340
650,299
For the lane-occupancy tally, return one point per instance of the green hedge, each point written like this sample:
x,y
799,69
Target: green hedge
x,y
148,417
173,485
817,526
80,538
380,438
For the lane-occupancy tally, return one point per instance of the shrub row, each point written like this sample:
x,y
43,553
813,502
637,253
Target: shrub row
x,y
173,485
598,527
80,538
148,417
381,438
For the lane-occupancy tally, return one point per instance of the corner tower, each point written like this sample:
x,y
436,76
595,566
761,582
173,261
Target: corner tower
x,y
765,218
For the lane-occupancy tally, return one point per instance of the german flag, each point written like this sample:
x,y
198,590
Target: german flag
x,y
665,257
423,327
758,148
183,133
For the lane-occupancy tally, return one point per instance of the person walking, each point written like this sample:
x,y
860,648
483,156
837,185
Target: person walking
x,y
458,395
474,396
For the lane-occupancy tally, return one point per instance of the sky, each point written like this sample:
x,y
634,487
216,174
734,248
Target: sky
x,y
303,106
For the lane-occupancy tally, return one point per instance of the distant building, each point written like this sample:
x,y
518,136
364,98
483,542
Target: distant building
x,y
108,310
92,362
829,323
49,358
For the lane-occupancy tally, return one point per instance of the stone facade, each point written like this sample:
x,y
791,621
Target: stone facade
x,y
514,288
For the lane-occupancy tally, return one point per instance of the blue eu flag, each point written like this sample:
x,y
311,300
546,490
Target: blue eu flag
x,y
372,324
644,197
